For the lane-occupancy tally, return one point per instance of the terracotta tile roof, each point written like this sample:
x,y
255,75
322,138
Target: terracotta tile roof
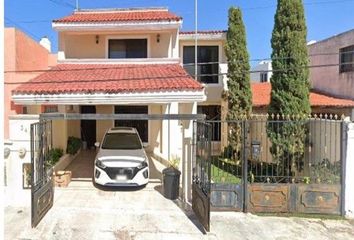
x,y
203,32
261,97
119,16
110,78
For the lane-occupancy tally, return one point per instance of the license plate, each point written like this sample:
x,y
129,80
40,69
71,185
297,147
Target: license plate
x,y
121,177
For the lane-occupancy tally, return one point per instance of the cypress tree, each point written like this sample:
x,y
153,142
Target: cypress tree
x,y
239,93
290,86
239,88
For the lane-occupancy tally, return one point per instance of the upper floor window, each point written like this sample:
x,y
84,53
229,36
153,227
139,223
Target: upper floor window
x,y
264,77
127,48
208,63
346,59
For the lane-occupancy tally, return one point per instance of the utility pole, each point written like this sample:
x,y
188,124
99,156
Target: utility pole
x,y
77,5
196,40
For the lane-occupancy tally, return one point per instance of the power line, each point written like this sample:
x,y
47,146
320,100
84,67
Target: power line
x,y
63,4
274,6
173,77
23,28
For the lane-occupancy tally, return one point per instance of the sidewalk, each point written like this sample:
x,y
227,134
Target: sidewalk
x,y
84,212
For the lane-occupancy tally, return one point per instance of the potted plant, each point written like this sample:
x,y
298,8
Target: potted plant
x,y
171,176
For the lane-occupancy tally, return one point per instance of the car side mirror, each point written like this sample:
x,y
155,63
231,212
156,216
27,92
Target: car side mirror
x,y
97,144
145,145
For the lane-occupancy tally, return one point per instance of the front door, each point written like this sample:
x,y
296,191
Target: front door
x,y
88,127
202,173
42,191
141,126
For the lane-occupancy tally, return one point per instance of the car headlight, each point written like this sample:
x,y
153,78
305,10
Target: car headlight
x,y
142,165
100,164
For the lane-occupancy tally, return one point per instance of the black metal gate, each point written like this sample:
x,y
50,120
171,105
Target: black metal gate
x,y
42,191
201,173
279,164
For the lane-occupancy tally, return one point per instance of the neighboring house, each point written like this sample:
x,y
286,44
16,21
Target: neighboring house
x,y
336,55
320,103
262,72
24,59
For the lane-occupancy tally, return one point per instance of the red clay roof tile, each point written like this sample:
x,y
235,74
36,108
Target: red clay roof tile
x,y
110,78
119,16
261,97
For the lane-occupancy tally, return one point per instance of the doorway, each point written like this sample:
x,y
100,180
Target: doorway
x,y
88,127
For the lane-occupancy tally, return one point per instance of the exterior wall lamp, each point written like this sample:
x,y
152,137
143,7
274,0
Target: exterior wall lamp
x,y
158,38
97,39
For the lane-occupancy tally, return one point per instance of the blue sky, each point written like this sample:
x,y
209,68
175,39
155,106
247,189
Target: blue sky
x,y
325,18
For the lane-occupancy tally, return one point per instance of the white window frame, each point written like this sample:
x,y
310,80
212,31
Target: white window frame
x,y
122,37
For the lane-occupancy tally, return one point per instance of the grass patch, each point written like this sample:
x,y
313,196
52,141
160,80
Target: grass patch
x,y
220,176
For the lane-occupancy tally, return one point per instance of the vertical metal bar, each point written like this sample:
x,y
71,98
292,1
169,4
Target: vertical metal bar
x,y
209,159
343,157
245,162
32,170
196,40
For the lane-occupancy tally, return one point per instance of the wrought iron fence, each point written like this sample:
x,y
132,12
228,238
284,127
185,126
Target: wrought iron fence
x,y
278,149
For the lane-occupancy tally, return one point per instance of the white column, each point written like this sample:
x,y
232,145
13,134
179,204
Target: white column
x,y
349,170
171,133
187,150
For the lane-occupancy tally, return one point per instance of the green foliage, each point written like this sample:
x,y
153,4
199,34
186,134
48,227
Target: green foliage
x,y
54,155
290,80
174,162
239,88
74,144
239,93
290,85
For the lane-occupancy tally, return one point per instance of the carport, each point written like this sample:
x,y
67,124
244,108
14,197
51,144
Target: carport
x,y
84,100
43,133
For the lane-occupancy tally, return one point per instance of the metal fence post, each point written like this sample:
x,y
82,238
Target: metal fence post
x,y
343,156
245,167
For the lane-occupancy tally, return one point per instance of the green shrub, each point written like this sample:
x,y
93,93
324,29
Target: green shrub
x,y
54,155
74,144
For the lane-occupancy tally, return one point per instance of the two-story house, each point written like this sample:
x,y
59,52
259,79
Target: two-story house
x,y
130,61
334,57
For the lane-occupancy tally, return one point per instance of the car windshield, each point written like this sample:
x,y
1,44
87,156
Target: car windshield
x,y
121,141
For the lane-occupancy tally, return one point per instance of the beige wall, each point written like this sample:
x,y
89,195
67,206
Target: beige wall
x,y
103,125
77,45
60,134
329,79
155,130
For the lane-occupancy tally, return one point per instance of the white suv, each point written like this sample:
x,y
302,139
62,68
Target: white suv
x,y
121,159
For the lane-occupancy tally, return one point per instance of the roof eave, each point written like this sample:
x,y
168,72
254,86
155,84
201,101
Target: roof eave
x,y
182,96
117,25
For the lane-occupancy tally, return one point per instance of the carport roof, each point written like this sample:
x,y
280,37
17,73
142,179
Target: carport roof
x,y
110,79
